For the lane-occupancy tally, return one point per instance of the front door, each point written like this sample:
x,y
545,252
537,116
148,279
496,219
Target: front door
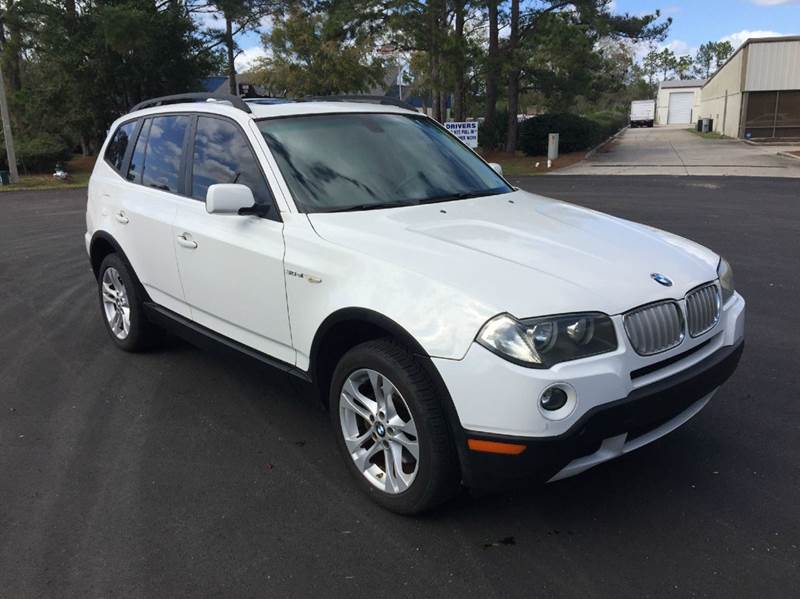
x,y
231,266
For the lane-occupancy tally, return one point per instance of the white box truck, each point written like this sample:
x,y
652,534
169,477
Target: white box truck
x,y
643,113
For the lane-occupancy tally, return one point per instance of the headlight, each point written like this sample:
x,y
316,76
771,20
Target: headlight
x,y
725,274
543,342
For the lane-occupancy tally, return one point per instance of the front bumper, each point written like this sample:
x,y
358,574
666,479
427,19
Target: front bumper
x,y
623,401
608,430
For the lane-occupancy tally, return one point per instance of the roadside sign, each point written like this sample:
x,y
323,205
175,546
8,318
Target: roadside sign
x,y
465,131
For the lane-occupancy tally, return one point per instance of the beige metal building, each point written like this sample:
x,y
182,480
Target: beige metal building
x,y
678,101
756,93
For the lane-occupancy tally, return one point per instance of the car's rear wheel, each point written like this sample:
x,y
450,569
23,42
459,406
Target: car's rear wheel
x,y
392,429
121,307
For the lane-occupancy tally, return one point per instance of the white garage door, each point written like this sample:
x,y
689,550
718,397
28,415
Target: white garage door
x,y
680,107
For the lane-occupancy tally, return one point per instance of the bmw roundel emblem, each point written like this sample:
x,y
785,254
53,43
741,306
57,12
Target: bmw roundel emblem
x,y
661,279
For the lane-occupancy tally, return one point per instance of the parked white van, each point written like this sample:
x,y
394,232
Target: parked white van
x,y
643,113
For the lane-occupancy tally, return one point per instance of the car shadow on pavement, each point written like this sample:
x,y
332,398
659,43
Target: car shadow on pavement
x,y
664,472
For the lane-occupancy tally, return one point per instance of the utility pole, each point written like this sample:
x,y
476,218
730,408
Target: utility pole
x,y
7,135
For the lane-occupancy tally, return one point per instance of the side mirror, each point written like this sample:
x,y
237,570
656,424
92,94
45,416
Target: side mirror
x,y
228,198
497,168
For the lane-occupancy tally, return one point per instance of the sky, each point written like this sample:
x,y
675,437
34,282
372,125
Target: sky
x,y
693,22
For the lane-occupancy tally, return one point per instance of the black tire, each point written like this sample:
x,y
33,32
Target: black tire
x,y
142,334
438,475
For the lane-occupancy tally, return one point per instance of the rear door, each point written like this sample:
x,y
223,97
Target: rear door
x,y
232,266
155,179
108,187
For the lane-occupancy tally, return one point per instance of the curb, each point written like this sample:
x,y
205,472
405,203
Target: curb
x,y
789,155
5,188
606,142
766,144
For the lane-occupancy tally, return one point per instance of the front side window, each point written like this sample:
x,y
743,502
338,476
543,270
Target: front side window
x,y
115,151
336,162
222,154
162,160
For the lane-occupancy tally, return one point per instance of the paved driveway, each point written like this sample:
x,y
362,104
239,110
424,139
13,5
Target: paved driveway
x,y
178,473
676,151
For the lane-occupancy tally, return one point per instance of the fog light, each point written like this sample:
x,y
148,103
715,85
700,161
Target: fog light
x,y
553,398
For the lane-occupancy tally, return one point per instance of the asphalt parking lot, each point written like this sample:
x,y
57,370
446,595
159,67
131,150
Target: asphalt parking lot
x,y
178,473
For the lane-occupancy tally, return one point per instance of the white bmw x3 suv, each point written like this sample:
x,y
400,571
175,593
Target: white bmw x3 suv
x,y
460,331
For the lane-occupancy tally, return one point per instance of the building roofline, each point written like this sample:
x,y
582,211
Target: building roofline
x,y
746,43
681,83
780,38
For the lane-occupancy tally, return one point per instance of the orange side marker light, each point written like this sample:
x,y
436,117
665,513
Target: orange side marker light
x,y
495,447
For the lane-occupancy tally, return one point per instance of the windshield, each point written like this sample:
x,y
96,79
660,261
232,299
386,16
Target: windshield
x,y
337,162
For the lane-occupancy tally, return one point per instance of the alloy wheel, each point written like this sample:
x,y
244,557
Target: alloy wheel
x,y
379,431
115,303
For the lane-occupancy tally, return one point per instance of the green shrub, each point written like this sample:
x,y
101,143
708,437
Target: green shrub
x,y
610,121
576,133
492,136
38,154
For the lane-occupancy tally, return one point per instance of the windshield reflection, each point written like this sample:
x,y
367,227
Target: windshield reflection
x,y
352,161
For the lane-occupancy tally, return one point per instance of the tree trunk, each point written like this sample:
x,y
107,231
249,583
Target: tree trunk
x,y
433,61
492,64
513,79
458,91
441,36
436,105
230,50
12,47
8,136
3,45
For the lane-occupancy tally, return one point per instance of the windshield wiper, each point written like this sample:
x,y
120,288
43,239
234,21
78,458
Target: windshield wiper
x,y
465,195
372,206
442,198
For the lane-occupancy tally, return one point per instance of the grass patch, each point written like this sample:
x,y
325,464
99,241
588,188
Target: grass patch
x,y
520,165
79,169
709,135
31,182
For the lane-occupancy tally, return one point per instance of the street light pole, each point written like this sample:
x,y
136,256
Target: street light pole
x,y
7,135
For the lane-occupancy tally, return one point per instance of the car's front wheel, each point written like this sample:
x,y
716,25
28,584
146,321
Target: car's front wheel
x,y
392,429
121,304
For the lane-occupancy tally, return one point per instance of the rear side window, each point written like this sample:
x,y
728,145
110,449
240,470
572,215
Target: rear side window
x,y
115,151
137,160
162,159
222,154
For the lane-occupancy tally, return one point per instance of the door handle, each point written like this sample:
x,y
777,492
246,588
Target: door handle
x,y
185,240
120,216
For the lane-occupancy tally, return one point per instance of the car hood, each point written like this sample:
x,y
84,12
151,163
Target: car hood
x,y
526,254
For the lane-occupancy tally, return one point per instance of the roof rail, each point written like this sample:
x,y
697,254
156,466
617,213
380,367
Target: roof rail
x,y
386,100
235,101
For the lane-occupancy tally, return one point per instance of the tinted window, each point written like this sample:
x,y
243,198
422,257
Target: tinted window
x,y
137,160
347,161
115,151
222,154
162,160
